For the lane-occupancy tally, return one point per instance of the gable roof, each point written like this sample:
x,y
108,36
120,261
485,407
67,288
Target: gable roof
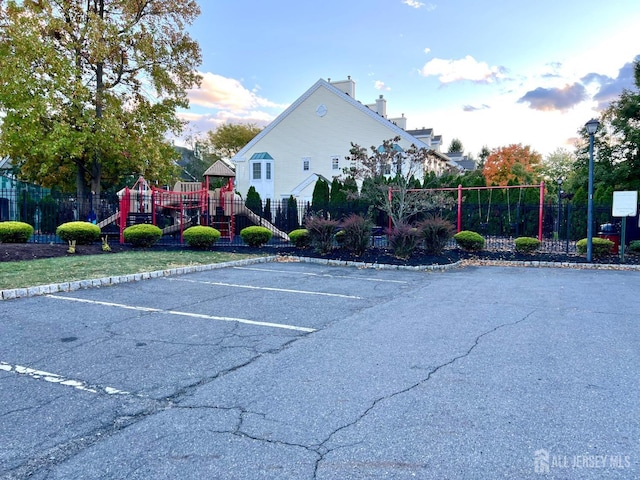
x,y
308,181
393,128
219,169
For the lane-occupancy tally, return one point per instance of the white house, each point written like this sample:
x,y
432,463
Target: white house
x,y
311,139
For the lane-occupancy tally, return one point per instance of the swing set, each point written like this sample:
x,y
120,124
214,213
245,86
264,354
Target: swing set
x,y
512,226
460,189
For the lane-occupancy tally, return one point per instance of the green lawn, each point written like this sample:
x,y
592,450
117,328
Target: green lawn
x,y
82,267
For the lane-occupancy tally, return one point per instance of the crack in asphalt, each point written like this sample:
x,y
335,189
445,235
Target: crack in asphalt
x,y
323,451
147,407
69,449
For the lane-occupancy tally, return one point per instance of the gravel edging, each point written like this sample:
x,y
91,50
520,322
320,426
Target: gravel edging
x,y
537,264
15,293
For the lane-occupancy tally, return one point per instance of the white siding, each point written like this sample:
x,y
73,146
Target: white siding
x,y
303,133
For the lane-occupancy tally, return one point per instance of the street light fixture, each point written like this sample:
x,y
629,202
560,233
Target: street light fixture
x,y
591,126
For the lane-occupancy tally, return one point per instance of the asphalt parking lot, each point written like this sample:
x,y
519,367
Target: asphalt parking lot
x,y
304,371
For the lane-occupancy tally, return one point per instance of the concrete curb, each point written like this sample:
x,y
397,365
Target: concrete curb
x,y
375,266
12,294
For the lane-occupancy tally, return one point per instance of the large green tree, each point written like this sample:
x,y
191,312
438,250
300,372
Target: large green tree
x,y
227,140
557,166
617,147
90,88
455,146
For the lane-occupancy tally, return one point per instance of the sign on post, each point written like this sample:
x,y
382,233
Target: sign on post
x,y
625,204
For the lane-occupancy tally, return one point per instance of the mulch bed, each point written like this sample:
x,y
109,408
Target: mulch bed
x,y
11,252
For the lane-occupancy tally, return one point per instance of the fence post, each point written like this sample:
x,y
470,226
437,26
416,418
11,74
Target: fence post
x,y
568,225
540,211
390,209
459,208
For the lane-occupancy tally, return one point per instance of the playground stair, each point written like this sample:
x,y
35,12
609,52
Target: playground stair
x,y
222,224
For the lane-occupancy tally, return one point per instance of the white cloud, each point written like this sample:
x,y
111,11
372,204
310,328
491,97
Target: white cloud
x,y
427,50
220,92
380,85
416,4
467,68
413,3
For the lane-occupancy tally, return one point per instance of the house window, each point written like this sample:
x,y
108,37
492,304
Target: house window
x,y
256,171
306,164
385,169
335,163
267,173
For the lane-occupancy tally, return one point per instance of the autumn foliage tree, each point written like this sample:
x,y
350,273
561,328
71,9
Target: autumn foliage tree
x,y
513,164
89,88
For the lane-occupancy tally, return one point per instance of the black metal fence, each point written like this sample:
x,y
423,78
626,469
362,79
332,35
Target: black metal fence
x,y
562,224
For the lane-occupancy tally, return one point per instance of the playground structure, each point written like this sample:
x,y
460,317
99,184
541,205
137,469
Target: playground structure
x,y
460,201
189,203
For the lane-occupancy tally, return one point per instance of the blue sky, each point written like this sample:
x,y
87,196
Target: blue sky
x,y
486,72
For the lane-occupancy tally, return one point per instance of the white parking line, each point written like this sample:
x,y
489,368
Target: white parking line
x,y
326,275
270,289
59,379
186,314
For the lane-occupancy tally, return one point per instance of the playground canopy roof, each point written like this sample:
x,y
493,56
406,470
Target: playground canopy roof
x,y
219,169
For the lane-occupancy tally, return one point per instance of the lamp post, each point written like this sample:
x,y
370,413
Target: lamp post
x,y
559,205
592,127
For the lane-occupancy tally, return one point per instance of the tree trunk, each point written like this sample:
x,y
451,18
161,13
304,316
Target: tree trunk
x,y
96,165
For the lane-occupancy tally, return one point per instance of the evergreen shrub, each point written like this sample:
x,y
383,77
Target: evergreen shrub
x,y
300,238
527,244
83,233
142,235
201,236
600,246
15,232
255,236
469,241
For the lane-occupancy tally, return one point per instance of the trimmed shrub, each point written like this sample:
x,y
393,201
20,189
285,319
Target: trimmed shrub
x,y
321,232
435,231
600,246
201,236
255,236
469,241
355,234
634,246
403,239
83,233
527,244
300,238
15,232
142,235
